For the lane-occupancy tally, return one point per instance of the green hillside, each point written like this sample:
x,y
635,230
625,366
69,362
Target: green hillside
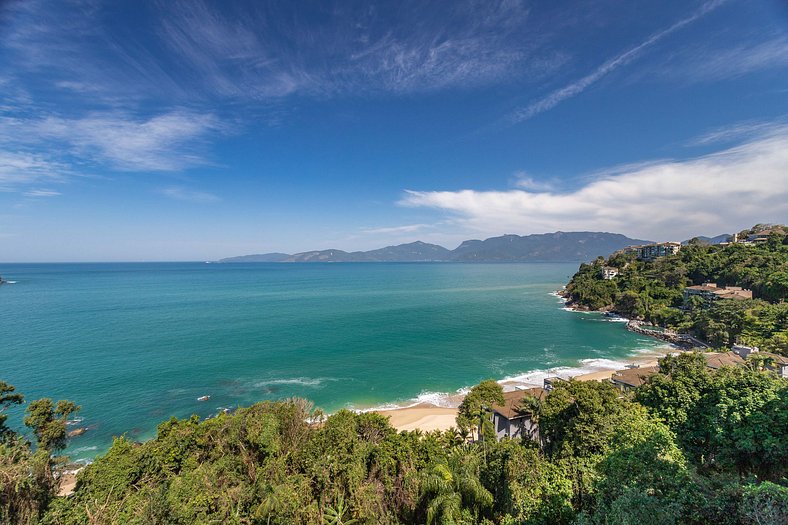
x,y
653,290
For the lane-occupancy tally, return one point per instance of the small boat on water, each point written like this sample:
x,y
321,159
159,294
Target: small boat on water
x,y
203,398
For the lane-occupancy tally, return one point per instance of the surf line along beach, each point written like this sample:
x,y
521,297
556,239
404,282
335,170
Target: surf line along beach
x,y
427,416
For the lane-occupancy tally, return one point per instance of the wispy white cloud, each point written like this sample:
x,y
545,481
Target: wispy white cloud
x,y
740,131
41,193
676,199
161,143
21,169
527,182
184,194
575,88
256,52
712,62
419,49
166,142
407,228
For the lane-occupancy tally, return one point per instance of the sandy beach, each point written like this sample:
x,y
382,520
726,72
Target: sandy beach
x,y
423,416
428,417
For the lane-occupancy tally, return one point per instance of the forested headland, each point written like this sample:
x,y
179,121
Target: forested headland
x,y
654,290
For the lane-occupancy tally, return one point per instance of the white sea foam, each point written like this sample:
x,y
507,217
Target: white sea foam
x,y
438,399
301,381
568,309
84,449
10,282
532,378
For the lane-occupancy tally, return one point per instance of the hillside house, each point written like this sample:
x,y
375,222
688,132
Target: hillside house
x,y
738,357
631,378
762,236
649,252
550,382
711,292
512,419
716,360
608,272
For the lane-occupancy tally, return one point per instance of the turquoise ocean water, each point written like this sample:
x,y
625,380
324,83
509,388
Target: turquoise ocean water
x,y
137,343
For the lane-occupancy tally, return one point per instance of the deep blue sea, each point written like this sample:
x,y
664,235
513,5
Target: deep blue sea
x,y
135,344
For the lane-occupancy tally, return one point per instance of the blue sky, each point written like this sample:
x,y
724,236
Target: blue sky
x,y
166,130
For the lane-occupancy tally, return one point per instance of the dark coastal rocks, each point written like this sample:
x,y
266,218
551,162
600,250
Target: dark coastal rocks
x,y
77,431
680,340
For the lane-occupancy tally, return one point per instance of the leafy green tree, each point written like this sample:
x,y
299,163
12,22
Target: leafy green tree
x,y
631,304
8,397
672,394
579,417
27,483
766,504
733,419
48,422
645,478
474,408
526,487
577,422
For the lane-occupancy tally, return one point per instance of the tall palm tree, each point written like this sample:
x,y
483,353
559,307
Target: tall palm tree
x,y
270,504
531,406
452,486
336,515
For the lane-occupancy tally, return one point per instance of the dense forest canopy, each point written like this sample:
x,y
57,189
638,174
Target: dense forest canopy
x,y
653,290
690,446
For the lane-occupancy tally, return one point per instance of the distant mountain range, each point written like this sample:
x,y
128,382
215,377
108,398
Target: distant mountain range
x,y
545,247
711,240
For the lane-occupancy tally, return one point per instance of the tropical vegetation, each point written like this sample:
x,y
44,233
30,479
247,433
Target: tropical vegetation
x,y
690,446
653,290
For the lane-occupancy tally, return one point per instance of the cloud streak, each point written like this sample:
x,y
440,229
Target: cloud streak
x,y
168,141
714,193
21,169
41,193
257,52
575,88
407,228
164,142
712,64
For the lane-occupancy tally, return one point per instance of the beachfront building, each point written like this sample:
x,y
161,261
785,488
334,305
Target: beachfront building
x,y
513,419
777,363
774,362
631,378
608,272
739,355
762,236
550,382
649,252
716,360
711,292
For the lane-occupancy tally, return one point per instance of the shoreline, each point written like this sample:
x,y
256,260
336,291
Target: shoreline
x,y
680,340
431,411
427,416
